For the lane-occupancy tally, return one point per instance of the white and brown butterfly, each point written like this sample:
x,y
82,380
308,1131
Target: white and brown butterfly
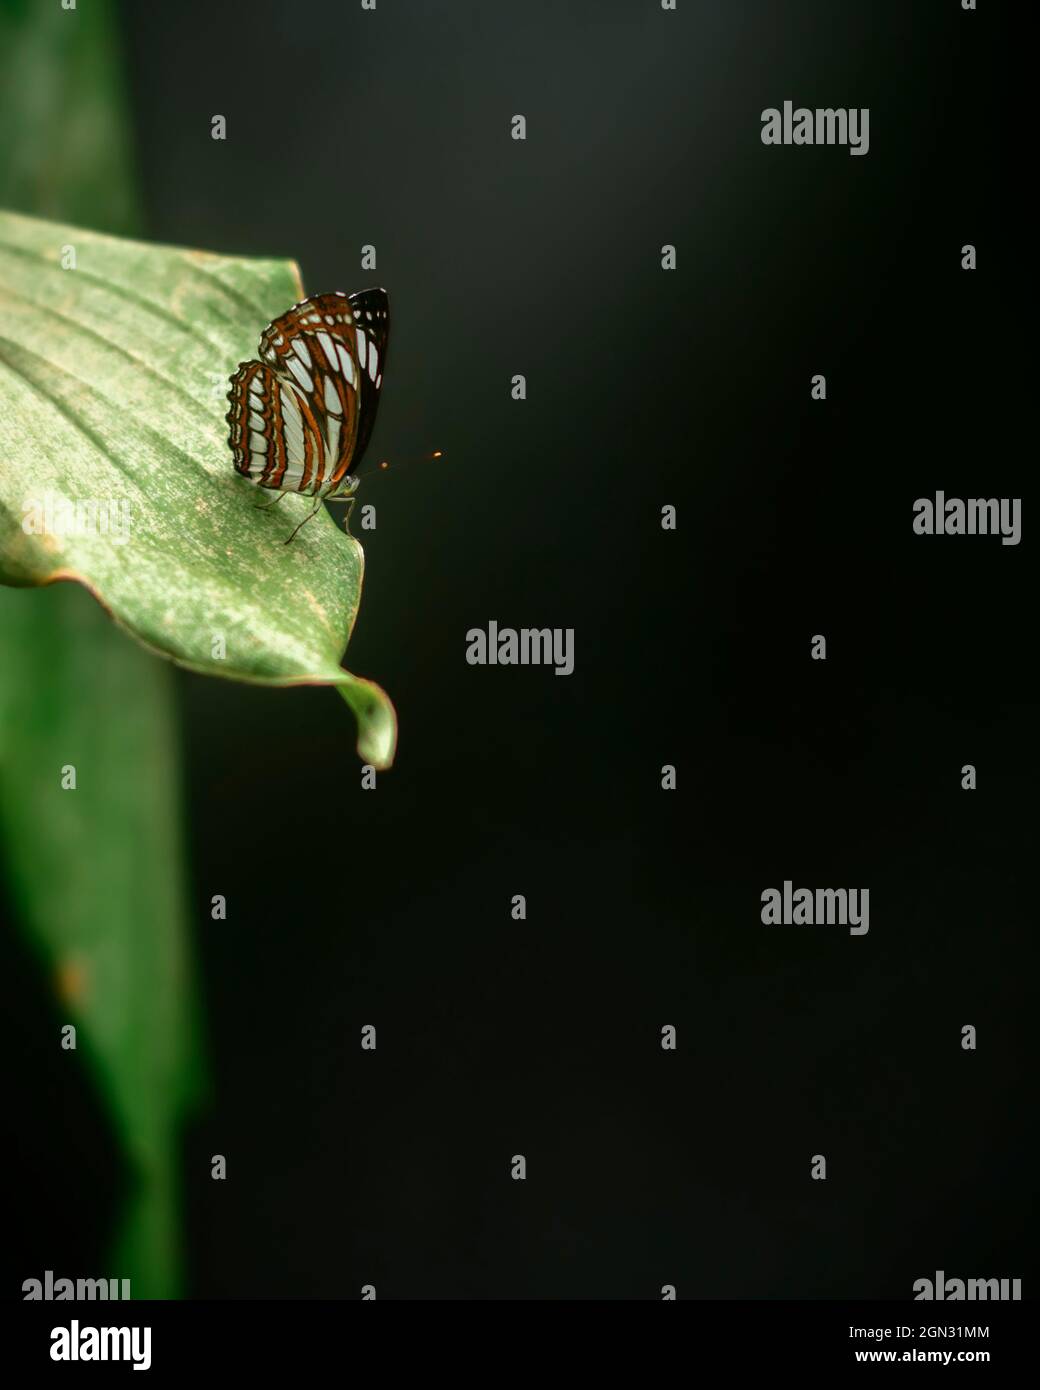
x,y
301,417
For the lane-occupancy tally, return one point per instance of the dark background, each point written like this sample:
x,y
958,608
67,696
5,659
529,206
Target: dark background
x,y
692,648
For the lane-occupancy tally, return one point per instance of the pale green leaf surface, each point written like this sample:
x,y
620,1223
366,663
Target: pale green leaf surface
x,y
113,380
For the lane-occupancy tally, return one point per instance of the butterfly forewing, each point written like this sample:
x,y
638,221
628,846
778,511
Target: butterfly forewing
x,y
371,309
300,417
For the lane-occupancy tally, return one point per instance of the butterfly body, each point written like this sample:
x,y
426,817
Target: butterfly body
x,y
301,417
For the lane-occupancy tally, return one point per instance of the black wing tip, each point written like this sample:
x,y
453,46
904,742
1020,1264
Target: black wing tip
x,y
351,296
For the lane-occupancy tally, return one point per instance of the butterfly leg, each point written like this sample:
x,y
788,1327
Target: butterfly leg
x,y
349,500
317,509
266,506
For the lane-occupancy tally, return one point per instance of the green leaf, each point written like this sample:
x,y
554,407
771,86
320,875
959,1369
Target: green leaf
x,y
113,380
62,91
96,876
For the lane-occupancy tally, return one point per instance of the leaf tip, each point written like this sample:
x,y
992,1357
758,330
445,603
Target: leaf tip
x,y
376,718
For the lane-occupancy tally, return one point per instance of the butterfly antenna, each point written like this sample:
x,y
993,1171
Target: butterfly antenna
x,y
426,458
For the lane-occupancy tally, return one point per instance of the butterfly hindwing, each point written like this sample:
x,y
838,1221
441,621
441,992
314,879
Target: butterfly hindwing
x,y
274,436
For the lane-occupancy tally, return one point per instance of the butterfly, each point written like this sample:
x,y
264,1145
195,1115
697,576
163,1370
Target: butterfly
x,y
301,417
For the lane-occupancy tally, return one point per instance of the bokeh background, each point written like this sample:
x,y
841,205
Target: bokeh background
x,y
349,907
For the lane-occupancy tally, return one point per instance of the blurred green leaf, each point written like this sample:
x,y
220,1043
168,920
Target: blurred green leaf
x,y
113,381
67,132
96,874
